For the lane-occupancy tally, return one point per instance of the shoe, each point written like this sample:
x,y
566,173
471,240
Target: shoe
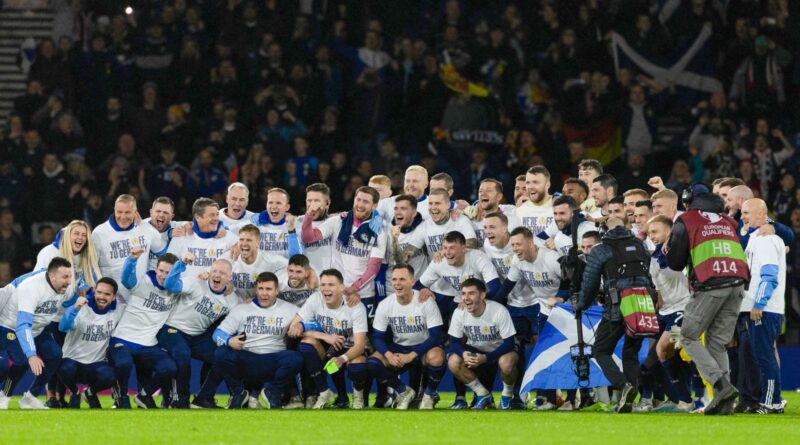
x,y
74,401
726,409
774,409
626,397
459,404
179,404
405,398
123,402
91,399
383,401
28,401
203,404
723,392
4,399
54,403
545,406
144,402
483,402
518,404
295,402
741,408
566,406
240,400
341,403
505,403
390,400
427,402
310,402
323,399
358,399
274,403
644,406
252,401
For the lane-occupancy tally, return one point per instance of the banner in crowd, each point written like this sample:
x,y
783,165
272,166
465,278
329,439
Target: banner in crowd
x,y
602,139
551,365
485,137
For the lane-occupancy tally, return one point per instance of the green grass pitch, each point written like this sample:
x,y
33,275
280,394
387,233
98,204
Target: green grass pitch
x,y
373,426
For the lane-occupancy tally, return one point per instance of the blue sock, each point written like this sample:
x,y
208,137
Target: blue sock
x,y
678,374
435,374
384,375
358,374
314,366
340,383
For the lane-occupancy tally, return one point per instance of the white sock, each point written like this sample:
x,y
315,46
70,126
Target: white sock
x,y
479,389
508,390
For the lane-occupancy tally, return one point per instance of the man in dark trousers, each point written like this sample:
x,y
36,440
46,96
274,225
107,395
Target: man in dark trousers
x,y
705,239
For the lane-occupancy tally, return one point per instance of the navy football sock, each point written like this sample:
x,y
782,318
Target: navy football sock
x,y
678,374
340,383
358,374
314,366
435,374
383,374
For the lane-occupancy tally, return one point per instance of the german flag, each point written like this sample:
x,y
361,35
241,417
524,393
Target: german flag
x,y
602,139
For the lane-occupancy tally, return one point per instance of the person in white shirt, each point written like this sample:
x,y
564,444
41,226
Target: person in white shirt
x,y
558,236
319,253
490,193
252,345
537,214
275,224
25,341
764,299
415,340
673,292
331,330
206,243
88,326
631,197
251,262
115,238
359,245
481,342
237,199
186,334
134,342
161,225
403,229
603,189
301,281
415,183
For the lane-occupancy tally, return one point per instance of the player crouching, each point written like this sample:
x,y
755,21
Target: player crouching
x,y
489,333
416,340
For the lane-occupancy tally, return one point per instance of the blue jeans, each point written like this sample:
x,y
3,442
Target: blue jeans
x,y
183,348
151,361
47,349
763,335
98,375
277,368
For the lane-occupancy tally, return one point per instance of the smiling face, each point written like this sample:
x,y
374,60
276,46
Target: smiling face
x,y
60,279
454,252
473,299
104,295
522,247
438,207
237,201
617,211
331,289
248,244
295,275
496,231
78,237
599,194
641,215
220,275
562,215
363,205
124,213
317,199
277,206
267,293
665,206
489,197
162,270
520,189
575,192
537,186
209,220
402,282
404,213
658,232
415,183
161,216
630,205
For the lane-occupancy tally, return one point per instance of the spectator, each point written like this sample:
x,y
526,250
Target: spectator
x,y
208,180
33,99
758,83
303,163
51,186
169,178
638,123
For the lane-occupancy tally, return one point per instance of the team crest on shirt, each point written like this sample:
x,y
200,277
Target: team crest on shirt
x,y
410,320
270,321
135,241
485,329
337,324
508,261
217,308
11,337
537,276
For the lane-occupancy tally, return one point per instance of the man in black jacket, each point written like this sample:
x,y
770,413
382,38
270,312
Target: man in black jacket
x,y
705,239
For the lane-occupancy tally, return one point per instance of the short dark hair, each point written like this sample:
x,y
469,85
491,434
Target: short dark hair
x,y
412,201
732,182
619,199
371,192
497,215
263,277
455,237
579,183
405,266
200,205
524,231
474,282
606,181
57,262
110,281
332,273
448,180
168,258
299,259
644,203
164,200
497,184
539,170
592,234
564,199
591,164
319,188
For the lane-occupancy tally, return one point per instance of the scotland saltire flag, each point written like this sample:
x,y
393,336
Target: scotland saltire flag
x,y
551,366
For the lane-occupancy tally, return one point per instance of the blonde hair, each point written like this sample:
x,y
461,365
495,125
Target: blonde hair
x,y
381,180
666,193
418,169
88,264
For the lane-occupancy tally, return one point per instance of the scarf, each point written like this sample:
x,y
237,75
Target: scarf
x,y
152,275
93,304
117,228
660,256
205,235
57,239
262,218
366,232
417,221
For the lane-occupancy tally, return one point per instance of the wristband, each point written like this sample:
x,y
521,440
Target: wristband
x,y
346,359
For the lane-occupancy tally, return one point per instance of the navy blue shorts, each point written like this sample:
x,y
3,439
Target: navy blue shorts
x,y
490,364
526,321
666,322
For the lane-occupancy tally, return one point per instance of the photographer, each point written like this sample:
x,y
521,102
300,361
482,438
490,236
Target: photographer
x,y
621,261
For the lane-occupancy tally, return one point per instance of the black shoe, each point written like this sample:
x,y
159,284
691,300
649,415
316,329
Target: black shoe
x,y
179,404
75,401
145,402
727,408
123,402
203,404
626,398
239,401
341,403
91,399
54,403
518,404
763,409
723,392
741,408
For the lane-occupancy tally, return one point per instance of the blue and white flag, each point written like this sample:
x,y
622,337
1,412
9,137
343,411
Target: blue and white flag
x,y
551,365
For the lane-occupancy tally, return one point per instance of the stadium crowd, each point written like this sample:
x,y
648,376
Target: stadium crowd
x,y
185,108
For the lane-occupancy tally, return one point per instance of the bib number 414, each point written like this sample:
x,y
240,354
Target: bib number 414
x,y
724,267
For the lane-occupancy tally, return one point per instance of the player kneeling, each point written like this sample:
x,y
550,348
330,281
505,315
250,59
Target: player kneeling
x,y
416,341
252,341
339,335
88,325
489,333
